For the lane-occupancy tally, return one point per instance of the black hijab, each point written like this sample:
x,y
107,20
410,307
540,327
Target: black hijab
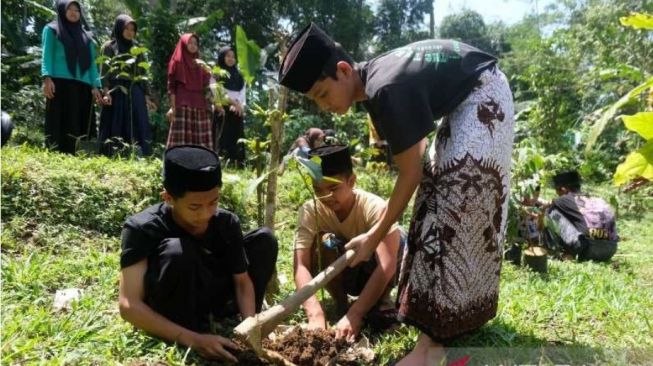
x,y
118,42
235,81
75,39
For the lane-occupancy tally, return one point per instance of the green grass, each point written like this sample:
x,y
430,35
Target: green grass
x,y
61,220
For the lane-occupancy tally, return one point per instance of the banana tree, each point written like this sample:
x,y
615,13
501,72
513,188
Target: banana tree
x,y
638,164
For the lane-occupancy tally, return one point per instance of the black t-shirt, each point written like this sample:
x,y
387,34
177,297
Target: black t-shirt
x,y
567,206
410,87
143,233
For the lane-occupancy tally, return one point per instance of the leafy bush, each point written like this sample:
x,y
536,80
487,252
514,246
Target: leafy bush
x,y
27,110
92,193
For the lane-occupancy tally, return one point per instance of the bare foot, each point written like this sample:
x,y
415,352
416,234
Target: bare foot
x,y
435,355
425,353
416,357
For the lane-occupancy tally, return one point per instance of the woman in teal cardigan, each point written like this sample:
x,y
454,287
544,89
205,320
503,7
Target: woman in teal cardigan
x,y
71,78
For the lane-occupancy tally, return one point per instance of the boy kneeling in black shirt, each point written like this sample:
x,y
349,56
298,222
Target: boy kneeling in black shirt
x,y
185,259
577,225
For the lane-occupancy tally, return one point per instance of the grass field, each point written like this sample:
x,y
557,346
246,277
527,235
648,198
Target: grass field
x,y
61,220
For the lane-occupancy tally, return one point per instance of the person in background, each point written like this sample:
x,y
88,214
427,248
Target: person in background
x,y
185,260
311,139
576,225
233,123
124,118
188,87
70,78
7,127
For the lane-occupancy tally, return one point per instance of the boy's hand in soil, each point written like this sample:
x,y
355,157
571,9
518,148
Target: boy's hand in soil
x,y
213,346
349,326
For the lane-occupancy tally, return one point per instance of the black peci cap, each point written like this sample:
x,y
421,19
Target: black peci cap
x,y
336,159
306,57
567,179
191,168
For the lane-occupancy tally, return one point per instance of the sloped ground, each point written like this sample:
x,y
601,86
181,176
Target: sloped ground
x,y
61,219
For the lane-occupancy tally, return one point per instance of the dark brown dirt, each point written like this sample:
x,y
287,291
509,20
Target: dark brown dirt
x,y
308,347
249,358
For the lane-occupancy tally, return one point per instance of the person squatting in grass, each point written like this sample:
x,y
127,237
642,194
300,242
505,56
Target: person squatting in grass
x,y
576,225
312,138
449,280
185,260
345,212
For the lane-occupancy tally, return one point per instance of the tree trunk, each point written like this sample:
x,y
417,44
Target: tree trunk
x,y
275,156
432,20
259,189
276,124
271,193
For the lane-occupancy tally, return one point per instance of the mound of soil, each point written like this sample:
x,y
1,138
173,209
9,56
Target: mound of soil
x,y
308,347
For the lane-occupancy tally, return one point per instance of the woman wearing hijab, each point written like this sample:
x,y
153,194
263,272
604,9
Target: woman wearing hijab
x,y
233,126
124,118
189,114
70,78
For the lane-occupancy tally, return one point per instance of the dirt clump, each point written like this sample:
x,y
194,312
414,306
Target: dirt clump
x,y
308,347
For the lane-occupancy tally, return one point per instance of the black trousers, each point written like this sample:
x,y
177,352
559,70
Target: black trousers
x,y
586,249
68,115
186,285
352,280
233,129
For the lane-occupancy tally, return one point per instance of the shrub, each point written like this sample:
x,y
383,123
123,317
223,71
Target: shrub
x,y
92,193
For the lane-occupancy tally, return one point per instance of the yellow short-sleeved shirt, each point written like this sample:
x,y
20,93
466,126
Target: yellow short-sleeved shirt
x,y
365,213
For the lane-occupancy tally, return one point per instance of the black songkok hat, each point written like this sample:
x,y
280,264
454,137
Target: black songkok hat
x,y
336,159
305,60
567,179
191,168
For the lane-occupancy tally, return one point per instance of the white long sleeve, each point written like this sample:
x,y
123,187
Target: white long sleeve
x,y
239,95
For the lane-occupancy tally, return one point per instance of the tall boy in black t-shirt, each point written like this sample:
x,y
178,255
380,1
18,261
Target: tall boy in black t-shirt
x,y
449,281
185,259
